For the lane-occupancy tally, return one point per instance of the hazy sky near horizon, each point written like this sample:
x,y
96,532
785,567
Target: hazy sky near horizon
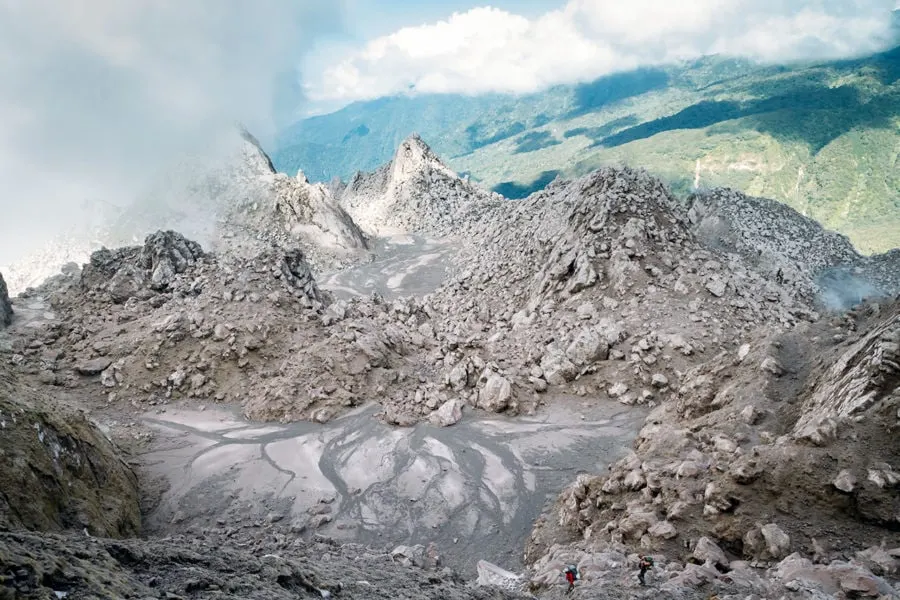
x,y
100,97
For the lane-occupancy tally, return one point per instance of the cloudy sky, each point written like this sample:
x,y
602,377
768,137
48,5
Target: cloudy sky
x,y
524,46
98,97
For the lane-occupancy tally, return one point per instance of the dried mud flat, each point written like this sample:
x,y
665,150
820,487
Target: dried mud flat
x,y
473,490
401,265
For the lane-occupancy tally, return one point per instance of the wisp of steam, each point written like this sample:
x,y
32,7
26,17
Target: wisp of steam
x,y
842,289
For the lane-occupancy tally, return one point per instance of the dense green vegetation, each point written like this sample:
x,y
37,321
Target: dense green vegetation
x,y
823,138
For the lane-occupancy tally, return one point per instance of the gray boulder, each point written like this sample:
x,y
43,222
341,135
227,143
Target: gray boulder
x,y
166,254
707,551
558,369
496,394
587,347
449,413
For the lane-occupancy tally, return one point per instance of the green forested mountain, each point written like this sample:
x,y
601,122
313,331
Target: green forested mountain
x,y
822,137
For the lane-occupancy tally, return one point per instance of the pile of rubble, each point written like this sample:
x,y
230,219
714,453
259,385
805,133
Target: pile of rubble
x,y
782,450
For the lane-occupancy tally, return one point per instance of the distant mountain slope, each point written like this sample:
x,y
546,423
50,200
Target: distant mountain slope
x,y
823,138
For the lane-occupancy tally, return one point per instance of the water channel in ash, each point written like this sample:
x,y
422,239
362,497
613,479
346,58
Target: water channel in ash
x,y
474,489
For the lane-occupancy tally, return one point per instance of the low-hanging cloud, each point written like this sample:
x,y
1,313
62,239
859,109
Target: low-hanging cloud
x,y
98,97
491,50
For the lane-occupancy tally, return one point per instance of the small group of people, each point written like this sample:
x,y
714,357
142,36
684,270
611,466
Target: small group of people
x,y
645,563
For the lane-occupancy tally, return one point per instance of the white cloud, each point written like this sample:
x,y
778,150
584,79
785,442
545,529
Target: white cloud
x,y
491,50
98,96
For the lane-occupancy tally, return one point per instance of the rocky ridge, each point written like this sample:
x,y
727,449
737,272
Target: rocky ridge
x,y
276,209
601,286
820,265
414,192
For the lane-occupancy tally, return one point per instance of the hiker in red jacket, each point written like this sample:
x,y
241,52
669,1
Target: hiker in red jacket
x,y
571,573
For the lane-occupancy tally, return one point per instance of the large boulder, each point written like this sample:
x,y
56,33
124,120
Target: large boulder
x,y
449,413
587,347
557,368
297,274
166,254
58,471
6,311
496,394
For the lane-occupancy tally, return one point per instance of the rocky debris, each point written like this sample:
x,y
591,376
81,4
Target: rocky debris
x,y
793,250
612,573
295,272
595,286
166,254
706,551
58,471
258,331
490,575
140,272
417,556
275,567
94,366
816,445
6,311
495,395
768,542
845,481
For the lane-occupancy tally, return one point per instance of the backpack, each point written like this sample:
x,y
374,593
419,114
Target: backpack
x,y
648,561
573,570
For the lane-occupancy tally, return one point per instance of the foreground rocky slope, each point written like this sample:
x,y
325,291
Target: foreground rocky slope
x,y
783,447
57,471
264,566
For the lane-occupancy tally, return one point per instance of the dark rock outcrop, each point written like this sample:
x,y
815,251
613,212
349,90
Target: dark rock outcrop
x,y
141,271
58,471
6,310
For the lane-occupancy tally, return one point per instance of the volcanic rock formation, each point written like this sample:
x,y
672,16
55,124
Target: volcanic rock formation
x,y
6,311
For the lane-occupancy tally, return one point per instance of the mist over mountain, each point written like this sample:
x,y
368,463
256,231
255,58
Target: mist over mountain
x,y
821,137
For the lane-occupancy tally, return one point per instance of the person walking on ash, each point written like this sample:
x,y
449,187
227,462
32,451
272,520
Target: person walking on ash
x,y
645,564
571,573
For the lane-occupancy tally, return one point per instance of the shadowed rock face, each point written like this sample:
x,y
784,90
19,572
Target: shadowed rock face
x,y
279,567
58,472
6,311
